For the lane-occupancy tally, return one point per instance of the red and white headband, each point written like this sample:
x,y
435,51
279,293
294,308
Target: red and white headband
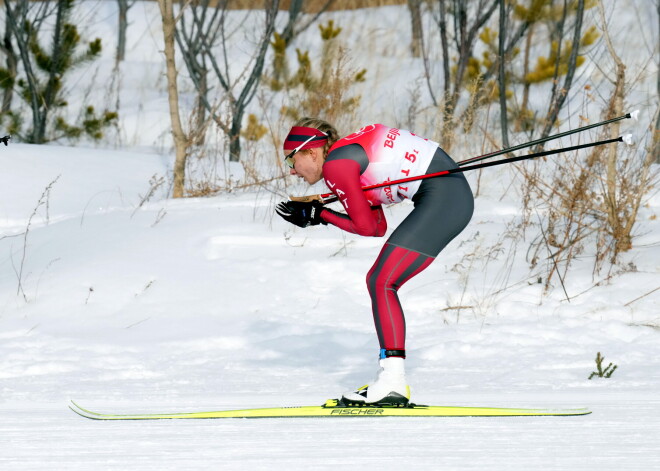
x,y
311,137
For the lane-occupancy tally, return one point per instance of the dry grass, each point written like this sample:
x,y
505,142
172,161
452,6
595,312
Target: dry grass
x,y
580,209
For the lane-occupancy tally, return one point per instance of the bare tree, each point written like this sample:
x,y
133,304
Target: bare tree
x,y
16,18
415,8
501,76
442,24
294,26
205,48
122,27
191,36
593,198
621,204
181,142
564,55
507,43
465,33
8,77
559,96
295,10
45,67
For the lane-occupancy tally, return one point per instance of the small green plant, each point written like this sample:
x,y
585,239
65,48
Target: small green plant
x,y
329,31
254,130
304,75
46,65
92,125
602,373
326,95
280,64
330,52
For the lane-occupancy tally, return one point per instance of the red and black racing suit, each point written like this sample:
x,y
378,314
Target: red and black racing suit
x,y
442,208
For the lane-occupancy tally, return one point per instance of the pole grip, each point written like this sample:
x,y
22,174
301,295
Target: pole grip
x,y
325,198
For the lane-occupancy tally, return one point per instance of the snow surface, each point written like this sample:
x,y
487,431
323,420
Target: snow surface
x,y
208,307
124,300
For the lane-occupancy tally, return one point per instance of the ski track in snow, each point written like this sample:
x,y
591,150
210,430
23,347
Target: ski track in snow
x,y
620,435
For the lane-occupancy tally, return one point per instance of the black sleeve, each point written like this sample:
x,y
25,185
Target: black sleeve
x,y
352,152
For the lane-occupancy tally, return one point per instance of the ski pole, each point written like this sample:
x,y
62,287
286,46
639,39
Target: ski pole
x,y
331,197
632,115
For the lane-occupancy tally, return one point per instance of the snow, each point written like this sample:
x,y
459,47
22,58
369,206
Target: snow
x,y
208,307
125,300
619,435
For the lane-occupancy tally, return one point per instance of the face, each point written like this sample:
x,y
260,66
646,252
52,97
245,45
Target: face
x,y
308,164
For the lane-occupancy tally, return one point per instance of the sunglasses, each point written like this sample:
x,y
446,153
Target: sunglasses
x,y
290,161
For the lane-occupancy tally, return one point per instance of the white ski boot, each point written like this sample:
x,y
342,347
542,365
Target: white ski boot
x,y
390,388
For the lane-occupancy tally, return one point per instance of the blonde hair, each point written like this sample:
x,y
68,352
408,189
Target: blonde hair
x,y
323,126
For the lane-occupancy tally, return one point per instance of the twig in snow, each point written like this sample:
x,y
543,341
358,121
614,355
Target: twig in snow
x,y
561,280
44,199
89,294
642,296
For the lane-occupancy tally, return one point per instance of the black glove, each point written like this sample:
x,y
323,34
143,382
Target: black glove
x,y
301,214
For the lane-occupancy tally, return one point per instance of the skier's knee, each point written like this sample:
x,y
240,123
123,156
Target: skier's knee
x,y
376,281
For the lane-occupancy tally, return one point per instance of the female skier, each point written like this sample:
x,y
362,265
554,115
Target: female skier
x,y
442,208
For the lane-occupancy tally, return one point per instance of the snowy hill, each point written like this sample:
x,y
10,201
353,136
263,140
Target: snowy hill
x,y
199,304
116,296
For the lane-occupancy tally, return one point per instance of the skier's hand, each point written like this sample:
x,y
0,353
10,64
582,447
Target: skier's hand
x,y
301,214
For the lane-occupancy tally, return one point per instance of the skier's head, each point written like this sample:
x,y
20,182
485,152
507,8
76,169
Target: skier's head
x,y
306,147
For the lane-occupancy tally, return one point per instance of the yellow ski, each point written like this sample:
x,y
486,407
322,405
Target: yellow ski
x,y
333,409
